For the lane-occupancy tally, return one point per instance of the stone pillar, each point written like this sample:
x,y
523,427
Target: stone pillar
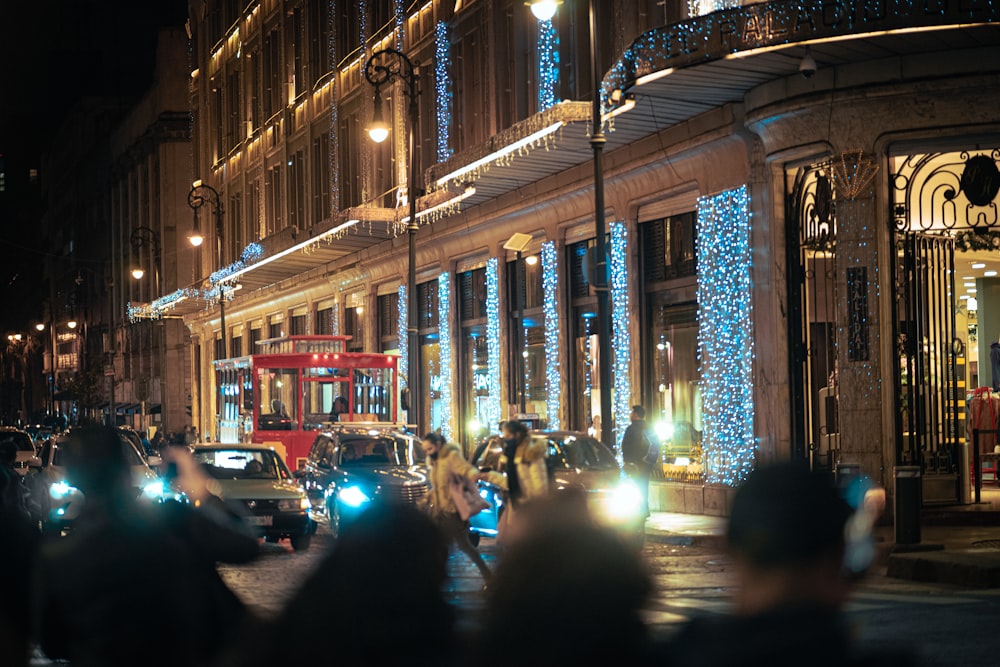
x,y
858,316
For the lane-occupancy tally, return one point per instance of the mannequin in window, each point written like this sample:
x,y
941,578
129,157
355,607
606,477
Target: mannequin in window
x,y
995,364
340,407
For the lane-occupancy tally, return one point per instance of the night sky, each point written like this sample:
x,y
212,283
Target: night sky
x,y
52,53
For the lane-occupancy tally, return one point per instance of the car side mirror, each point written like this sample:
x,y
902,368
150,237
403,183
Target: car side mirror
x,y
154,461
485,469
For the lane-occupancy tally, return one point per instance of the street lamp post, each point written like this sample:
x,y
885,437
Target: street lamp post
x,y
145,237
544,10
382,68
199,195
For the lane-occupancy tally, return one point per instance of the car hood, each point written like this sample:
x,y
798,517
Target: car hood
x,y
141,475
589,479
383,475
258,489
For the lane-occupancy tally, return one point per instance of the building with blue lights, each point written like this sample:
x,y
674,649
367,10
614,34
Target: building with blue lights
x,y
795,191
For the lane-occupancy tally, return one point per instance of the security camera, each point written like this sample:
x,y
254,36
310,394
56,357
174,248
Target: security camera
x,y
807,67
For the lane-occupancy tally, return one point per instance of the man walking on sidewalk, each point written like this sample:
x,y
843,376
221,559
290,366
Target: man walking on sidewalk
x,y
639,453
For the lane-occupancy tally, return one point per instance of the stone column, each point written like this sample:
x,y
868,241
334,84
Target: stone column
x,y
858,315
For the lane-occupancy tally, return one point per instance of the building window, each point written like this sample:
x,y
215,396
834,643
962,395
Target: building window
x,y
296,191
527,339
220,348
430,353
274,329
272,198
668,247
354,326
585,405
236,347
321,178
254,338
324,321
298,325
388,323
475,385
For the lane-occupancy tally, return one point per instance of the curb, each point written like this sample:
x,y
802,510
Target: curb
x,y
971,568
685,540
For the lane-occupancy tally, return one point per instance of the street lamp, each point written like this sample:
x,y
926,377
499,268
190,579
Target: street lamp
x,y
199,195
382,68
145,237
545,10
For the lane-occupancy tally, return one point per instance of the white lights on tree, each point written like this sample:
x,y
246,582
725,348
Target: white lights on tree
x,y
621,339
492,409
725,336
444,351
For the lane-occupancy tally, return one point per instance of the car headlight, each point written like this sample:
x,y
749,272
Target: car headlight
x,y
60,490
294,504
353,496
154,489
625,501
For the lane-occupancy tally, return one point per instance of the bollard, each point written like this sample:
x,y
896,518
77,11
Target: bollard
x,y
907,499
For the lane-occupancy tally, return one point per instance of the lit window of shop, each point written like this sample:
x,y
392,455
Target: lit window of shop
x,y
475,385
527,340
430,355
388,323
671,376
585,405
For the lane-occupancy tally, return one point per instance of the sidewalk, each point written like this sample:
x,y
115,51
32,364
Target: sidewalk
x,y
686,529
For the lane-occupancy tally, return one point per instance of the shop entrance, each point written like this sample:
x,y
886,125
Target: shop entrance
x,y
812,314
947,302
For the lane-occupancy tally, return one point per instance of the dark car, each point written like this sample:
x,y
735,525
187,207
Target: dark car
x,y
25,447
351,467
574,460
256,478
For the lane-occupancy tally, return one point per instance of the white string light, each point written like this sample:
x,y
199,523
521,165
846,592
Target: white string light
x,y
444,351
550,308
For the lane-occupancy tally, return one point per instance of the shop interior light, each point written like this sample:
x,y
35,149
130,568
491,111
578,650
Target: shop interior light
x,y
990,274
978,265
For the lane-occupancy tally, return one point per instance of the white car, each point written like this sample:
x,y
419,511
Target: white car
x,y
61,502
26,456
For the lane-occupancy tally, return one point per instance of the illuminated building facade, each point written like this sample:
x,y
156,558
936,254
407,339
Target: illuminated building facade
x,y
761,178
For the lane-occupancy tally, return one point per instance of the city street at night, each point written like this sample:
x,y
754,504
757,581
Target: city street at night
x,y
943,624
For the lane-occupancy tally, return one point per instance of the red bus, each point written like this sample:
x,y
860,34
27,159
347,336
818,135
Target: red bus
x,y
297,385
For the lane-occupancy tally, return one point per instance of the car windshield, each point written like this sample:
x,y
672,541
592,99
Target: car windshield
x,y
241,464
584,452
368,450
132,457
21,441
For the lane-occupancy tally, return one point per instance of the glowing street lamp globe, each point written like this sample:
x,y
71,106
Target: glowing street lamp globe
x,y
543,10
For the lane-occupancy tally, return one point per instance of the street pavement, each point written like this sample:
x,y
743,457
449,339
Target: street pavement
x,y
943,624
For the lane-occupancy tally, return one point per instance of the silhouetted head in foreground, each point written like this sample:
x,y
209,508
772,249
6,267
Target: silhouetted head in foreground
x,y
95,462
375,600
566,592
786,531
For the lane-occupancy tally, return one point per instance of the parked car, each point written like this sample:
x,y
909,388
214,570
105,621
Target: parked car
x,y
574,460
26,454
255,477
60,502
350,467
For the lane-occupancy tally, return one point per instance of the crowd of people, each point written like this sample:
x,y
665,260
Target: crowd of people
x,y
137,584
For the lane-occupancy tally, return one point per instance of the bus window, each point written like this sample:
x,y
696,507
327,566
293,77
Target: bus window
x,y
373,389
318,399
278,399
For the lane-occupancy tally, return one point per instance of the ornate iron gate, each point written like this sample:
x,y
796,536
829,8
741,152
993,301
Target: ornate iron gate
x,y
927,415
812,299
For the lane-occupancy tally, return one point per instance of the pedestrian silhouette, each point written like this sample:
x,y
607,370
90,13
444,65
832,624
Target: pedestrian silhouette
x,y
567,592
375,600
786,536
136,584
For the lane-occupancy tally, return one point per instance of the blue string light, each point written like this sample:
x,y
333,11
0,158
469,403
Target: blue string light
x,y
250,254
444,351
403,336
548,64
621,338
725,335
442,89
550,308
492,404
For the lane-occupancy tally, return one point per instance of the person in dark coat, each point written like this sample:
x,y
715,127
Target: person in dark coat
x,y
636,448
786,535
128,571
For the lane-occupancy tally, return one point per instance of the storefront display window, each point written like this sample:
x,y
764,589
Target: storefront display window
x,y
585,405
475,362
428,317
527,342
